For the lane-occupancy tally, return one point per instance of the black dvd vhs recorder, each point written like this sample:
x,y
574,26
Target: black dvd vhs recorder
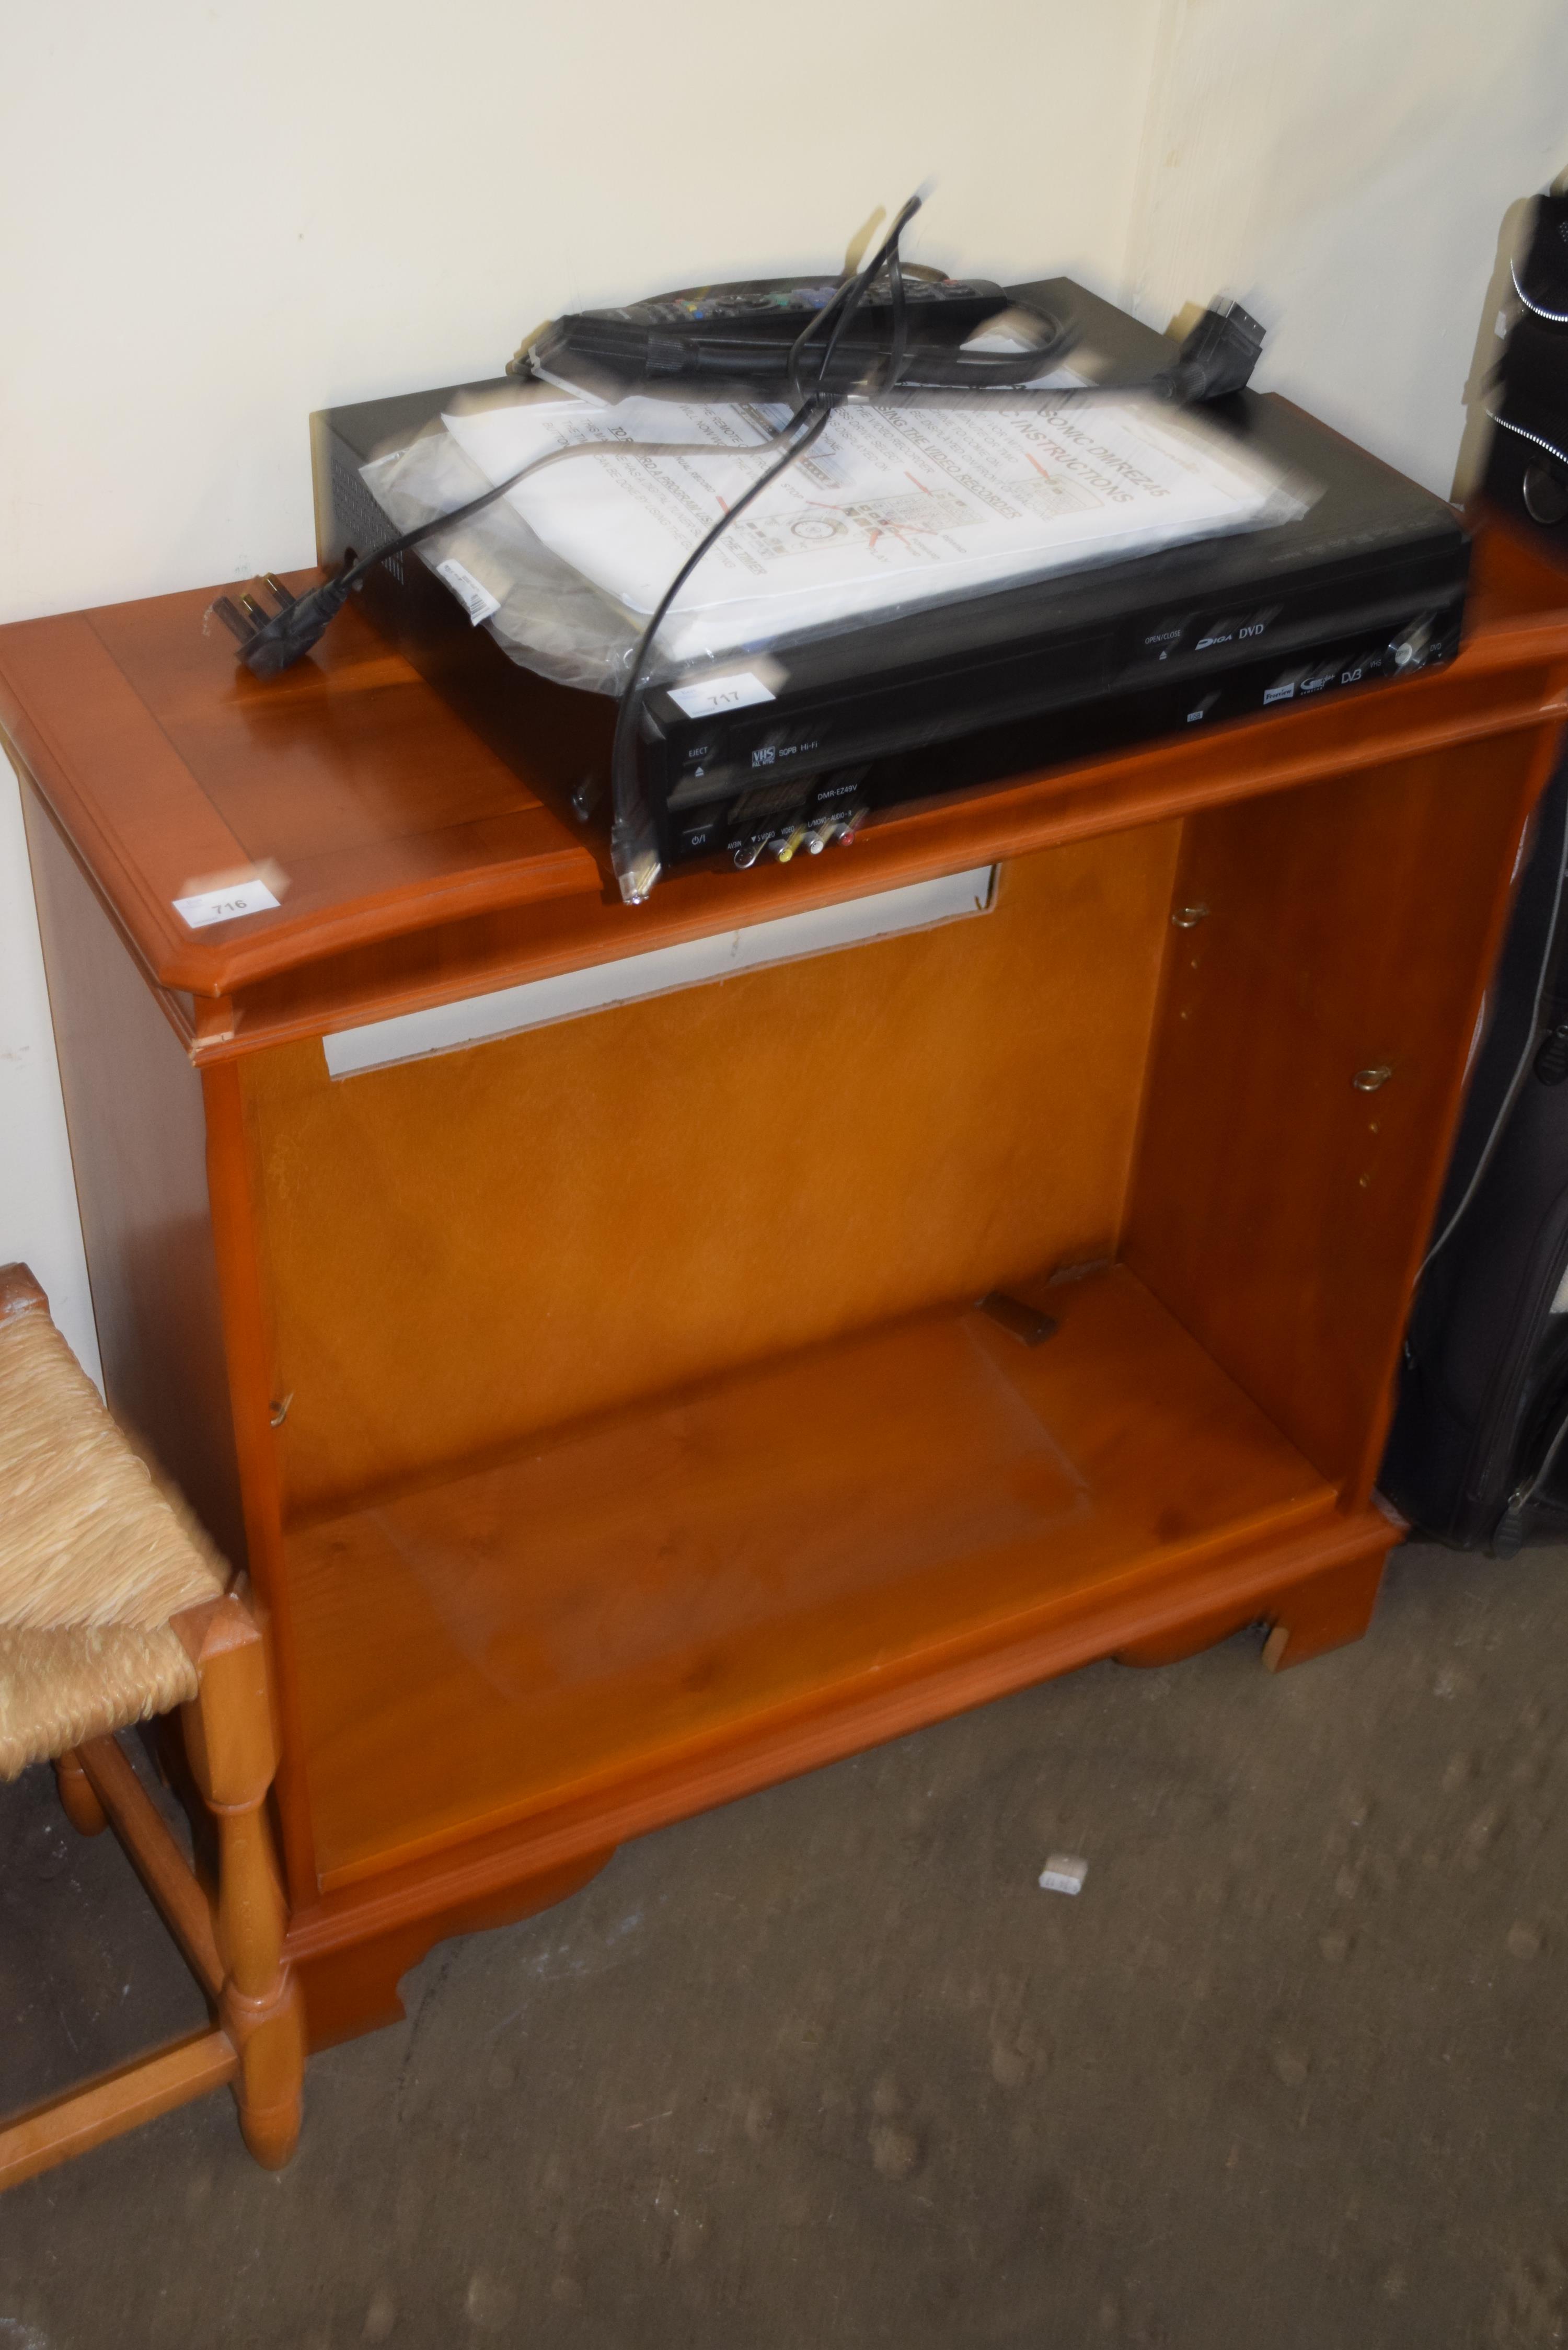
x,y
1367,586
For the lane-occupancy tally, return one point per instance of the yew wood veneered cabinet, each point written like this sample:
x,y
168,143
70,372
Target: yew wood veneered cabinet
x,y
602,1405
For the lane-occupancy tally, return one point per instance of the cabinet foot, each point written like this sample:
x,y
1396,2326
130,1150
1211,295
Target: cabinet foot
x,y
353,1988
1302,1618
1187,1639
1325,1612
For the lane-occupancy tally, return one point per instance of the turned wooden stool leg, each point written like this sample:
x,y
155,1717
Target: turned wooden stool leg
x,y
229,1737
81,1805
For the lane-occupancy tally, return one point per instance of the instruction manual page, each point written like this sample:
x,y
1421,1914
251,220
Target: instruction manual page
x,y
908,501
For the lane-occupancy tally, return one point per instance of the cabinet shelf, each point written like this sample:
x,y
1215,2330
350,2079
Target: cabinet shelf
x,y
705,1569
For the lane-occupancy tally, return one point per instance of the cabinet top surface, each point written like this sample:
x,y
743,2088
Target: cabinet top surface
x,y
392,826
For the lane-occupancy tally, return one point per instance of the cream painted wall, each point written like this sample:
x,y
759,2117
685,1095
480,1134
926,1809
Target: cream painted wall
x,y
37,1199
216,215
232,212
1349,166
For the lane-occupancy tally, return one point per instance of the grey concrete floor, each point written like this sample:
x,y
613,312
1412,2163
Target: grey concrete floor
x,y
827,2068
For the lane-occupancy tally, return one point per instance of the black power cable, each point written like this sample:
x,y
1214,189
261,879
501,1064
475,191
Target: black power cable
x,y
633,850
273,641
633,847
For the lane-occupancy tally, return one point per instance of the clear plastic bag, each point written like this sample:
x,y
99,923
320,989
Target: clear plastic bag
x,y
547,617
897,547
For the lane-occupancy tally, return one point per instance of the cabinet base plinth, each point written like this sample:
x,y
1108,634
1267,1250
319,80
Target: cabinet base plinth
x,y
1328,1611
1325,1611
350,1986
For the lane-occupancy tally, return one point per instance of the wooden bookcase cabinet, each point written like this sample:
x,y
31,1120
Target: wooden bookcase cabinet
x,y
605,1410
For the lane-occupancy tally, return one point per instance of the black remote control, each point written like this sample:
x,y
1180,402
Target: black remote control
x,y
739,336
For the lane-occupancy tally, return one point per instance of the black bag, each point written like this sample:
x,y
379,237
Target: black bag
x,y
1479,1449
1527,462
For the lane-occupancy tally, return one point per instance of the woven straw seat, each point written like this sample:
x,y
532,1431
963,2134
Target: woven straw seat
x,y
113,1607
94,1559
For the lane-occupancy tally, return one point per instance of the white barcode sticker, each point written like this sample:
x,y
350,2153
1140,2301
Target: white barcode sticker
x,y
226,905
476,599
710,694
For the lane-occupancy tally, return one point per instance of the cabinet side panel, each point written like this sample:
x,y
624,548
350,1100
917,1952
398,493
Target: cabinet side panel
x,y
1279,1208
133,1111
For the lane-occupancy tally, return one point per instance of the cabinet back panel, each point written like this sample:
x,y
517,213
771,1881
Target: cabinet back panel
x,y
464,1248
